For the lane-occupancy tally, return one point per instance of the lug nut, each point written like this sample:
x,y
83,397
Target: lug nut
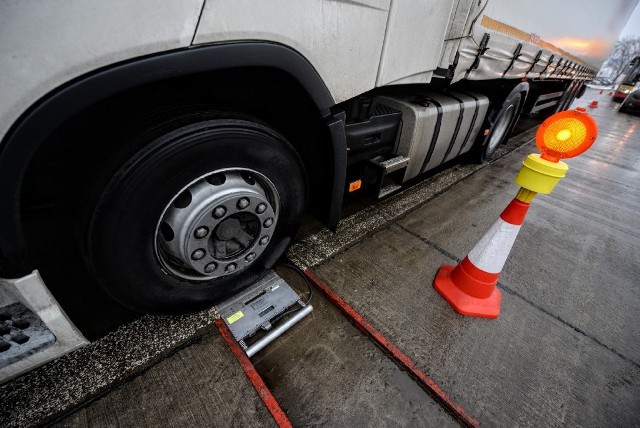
x,y
201,232
243,203
198,254
268,222
261,208
230,267
250,257
264,240
210,267
219,212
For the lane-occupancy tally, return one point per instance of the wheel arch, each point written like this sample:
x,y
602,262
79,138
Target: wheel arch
x,y
506,91
33,128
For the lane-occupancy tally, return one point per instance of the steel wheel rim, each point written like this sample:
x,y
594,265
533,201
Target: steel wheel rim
x,y
217,225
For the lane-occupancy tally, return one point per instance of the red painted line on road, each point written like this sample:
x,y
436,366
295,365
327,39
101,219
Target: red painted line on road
x,y
402,359
254,377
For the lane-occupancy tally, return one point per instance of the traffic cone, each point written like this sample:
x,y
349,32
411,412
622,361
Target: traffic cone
x,y
470,287
594,104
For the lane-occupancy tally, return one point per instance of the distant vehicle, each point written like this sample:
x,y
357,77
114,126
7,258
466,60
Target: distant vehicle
x,y
600,82
631,103
621,92
632,76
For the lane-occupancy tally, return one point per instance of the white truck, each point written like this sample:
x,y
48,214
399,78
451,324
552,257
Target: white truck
x,y
177,144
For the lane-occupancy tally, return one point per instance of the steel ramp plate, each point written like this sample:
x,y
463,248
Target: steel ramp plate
x,y
256,307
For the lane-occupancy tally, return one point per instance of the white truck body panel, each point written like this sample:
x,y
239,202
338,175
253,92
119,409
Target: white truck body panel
x,y
412,47
46,44
354,45
341,39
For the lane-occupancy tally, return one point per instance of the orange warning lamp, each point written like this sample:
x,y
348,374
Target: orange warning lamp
x,y
566,134
563,135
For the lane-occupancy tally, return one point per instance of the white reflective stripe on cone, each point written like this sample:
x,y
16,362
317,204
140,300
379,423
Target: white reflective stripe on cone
x,y
492,251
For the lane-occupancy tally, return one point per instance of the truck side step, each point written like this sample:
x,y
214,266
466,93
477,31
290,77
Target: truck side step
x,y
394,164
390,172
260,308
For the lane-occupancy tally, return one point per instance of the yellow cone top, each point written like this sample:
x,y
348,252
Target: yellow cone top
x,y
566,134
540,175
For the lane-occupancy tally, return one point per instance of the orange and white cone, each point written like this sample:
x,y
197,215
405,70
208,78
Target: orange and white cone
x,y
470,287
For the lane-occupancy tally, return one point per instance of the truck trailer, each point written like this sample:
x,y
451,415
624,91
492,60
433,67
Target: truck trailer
x,y
178,144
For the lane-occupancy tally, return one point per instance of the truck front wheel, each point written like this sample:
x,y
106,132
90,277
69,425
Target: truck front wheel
x,y
196,213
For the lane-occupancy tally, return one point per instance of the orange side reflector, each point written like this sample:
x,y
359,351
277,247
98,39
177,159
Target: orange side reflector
x,y
355,185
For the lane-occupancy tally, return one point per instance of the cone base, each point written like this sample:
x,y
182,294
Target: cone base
x,y
463,303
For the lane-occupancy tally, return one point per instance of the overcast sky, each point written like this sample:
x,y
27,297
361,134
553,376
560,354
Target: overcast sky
x,y
633,25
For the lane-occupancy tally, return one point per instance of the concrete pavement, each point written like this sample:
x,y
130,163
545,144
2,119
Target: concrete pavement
x,y
565,348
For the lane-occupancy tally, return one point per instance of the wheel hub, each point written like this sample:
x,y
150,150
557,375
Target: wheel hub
x,y
217,225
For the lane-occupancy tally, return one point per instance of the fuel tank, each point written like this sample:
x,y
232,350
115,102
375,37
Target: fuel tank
x,y
436,127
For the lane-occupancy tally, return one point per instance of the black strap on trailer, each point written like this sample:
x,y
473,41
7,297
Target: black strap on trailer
x,y
482,48
548,64
556,71
535,62
516,55
564,68
563,71
448,73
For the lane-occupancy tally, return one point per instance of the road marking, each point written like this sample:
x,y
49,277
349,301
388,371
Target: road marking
x,y
430,385
263,392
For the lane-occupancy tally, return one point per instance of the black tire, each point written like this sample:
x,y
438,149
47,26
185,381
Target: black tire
x,y
120,235
500,123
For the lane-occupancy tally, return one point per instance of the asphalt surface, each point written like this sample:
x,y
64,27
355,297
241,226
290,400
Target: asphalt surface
x,y
564,351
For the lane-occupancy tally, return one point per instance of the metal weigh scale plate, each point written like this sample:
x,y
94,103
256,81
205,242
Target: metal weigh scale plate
x,y
255,309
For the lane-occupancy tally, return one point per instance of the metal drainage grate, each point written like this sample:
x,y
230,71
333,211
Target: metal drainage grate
x,y
22,334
